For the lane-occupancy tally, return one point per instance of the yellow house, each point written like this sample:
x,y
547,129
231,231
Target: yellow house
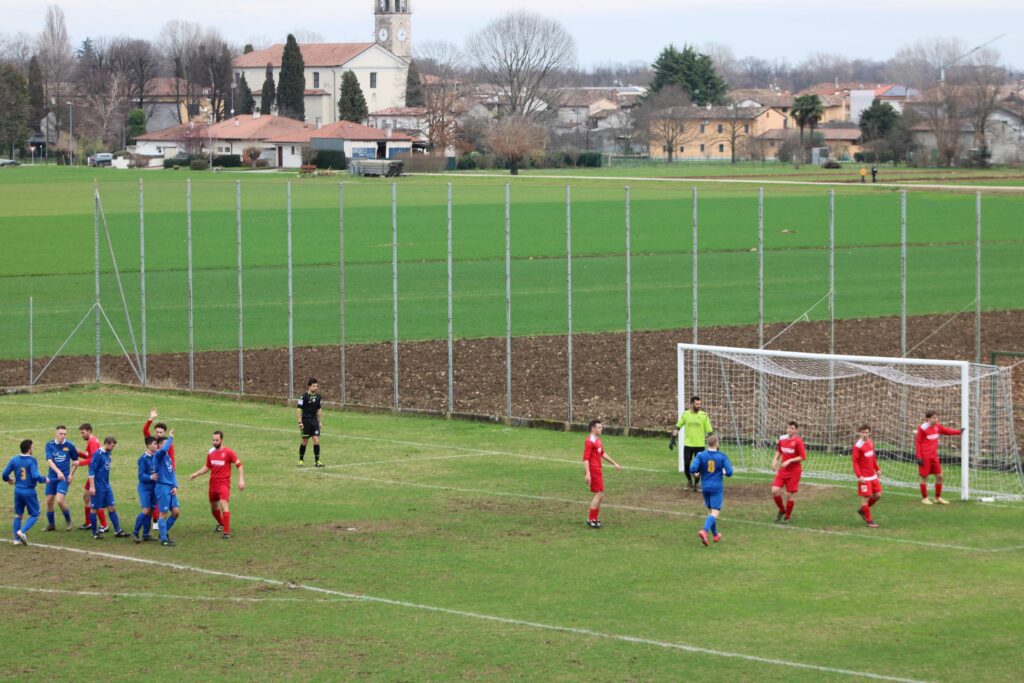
x,y
712,133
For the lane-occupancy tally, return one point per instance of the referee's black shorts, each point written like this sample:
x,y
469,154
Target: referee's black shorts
x,y
310,428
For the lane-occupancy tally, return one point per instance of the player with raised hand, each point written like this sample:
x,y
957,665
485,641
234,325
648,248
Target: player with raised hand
x,y
92,444
695,426
926,451
25,471
159,430
593,454
711,464
166,487
218,463
788,465
60,454
865,466
310,415
100,491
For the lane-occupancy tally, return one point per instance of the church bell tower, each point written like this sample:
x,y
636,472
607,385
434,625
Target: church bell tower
x,y
393,26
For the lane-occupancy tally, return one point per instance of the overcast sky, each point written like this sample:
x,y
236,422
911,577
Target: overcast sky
x,y
605,30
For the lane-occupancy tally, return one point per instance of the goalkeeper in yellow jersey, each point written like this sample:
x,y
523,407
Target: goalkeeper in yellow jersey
x,y
695,425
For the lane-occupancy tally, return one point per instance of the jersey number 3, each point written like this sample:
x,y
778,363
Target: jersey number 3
x,y
711,466
24,473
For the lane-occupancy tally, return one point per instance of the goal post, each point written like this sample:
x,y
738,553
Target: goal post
x,y
751,394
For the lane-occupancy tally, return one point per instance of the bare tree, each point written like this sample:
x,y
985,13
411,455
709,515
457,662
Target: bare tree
x,y
179,42
105,110
138,62
513,137
737,129
442,93
56,59
522,54
304,36
983,80
665,119
723,59
16,49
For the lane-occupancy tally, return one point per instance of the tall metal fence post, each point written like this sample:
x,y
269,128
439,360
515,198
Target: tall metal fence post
x,y
96,266
508,301
568,278
238,275
191,314
341,292
831,311
451,325
144,370
977,278
903,273
694,285
629,318
291,301
31,332
394,288
762,394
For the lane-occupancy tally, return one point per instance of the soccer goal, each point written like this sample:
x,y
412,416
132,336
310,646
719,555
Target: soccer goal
x,y
751,394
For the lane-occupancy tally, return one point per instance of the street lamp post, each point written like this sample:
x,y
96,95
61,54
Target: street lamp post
x,y
233,86
71,131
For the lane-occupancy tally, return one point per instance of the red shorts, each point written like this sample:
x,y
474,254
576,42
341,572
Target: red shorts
x,y
790,480
869,488
929,466
220,493
596,482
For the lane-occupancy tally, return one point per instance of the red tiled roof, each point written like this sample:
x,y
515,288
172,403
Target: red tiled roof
x,y
179,133
341,130
163,86
254,127
315,91
401,111
313,54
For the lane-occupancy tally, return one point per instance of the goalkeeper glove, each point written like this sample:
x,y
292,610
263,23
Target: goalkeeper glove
x,y
920,461
671,443
963,429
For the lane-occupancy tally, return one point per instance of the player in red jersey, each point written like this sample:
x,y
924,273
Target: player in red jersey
x,y
865,466
218,463
593,453
788,464
159,430
92,444
926,450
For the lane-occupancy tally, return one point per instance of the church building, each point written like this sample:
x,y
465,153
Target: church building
x,y
381,66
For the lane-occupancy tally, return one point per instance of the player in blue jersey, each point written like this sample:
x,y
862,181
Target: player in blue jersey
x,y
166,488
99,489
147,490
26,475
60,453
711,465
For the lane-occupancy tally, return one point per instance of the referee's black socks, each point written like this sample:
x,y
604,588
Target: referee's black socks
x,y
302,451
316,452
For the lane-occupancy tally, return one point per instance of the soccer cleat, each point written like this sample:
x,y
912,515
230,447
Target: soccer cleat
x,y
147,539
301,463
318,464
926,501
716,538
122,534
104,529
597,524
703,537
97,537
22,538
53,528
70,527
226,536
872,525
167,543
785,520
779,517
155,527
592,524
219,528
136,538
85,527
942,501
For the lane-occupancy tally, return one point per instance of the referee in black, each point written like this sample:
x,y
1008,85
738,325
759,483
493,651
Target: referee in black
x,y
310,413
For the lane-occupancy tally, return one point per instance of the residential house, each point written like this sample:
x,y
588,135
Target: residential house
x,y
842,138
709,133
356,140
411,121
182,139
171,101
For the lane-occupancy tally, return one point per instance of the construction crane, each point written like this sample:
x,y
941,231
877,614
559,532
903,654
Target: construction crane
x,y
942,67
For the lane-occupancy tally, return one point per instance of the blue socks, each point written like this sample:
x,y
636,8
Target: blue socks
x,y
49,519
142,522
115,521
162,523
709,524
17,527
67,516
94,522
29,523
714,526
171,519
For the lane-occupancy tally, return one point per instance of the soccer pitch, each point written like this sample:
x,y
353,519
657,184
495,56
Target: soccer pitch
x,y
430,550
49,224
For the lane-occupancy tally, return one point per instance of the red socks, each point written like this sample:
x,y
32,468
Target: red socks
x,y
156,514
789,507
102,515
924,490
866,509
226,516
217,515
872,501
778,503
938,490
593,514
87,511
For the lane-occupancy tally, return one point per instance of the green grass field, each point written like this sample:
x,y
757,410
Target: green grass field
x,y
434,550
48,219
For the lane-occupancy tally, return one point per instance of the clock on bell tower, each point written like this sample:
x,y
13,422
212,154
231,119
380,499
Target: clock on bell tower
x,y
393,26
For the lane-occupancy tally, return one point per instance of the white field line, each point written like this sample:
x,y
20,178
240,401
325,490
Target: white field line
x,y
789,528
432,445
162,596
747,181
683,647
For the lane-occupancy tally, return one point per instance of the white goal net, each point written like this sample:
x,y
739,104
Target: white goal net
x,y
751,394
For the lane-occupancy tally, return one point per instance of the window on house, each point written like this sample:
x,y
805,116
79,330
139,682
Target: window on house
x,y
159,150
682,148
316,79
721,129
664,148
702,128
293,149
785,123
721,148
746,127
373,79
702,146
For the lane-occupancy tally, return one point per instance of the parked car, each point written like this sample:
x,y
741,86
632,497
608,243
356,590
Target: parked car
x,y
9,162
101,159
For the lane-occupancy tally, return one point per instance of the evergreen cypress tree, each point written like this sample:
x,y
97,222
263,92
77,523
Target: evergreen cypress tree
x,y
351,103
291,85
36,99
692,71
248,48
246,102
269,93
414,88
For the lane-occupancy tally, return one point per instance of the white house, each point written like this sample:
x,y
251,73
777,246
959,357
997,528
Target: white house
x,y
185,138
356,140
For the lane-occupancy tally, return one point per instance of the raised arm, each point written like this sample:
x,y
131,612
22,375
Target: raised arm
x,y
145,427
947,431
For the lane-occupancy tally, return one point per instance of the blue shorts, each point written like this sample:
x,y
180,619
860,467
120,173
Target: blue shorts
x,y
164,500
713,500
57,486
103,498
26,501
147,496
